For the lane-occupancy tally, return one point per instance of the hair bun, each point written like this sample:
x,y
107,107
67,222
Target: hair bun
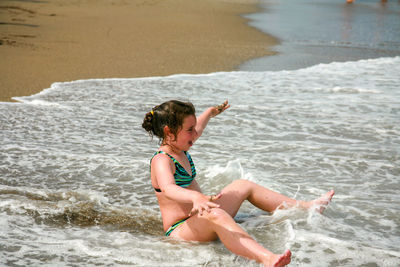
x,y
148,122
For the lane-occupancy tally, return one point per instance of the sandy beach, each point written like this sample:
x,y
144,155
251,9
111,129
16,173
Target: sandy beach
x,y
55,41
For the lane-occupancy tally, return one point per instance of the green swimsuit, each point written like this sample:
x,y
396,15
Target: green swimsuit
x,y
182,179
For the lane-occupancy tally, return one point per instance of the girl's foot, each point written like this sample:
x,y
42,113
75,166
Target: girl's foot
x,y
320,203
279,260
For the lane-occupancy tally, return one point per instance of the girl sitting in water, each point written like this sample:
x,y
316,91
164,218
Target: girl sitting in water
x,y
187,213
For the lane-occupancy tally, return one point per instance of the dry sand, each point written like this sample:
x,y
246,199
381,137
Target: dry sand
x,y
42,42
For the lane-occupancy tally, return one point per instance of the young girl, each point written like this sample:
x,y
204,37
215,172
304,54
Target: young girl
x,y
187,213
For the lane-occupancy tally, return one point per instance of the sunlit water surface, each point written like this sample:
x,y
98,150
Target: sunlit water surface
x,y
74,166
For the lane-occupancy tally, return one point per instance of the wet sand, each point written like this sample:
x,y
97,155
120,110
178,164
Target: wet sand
x,y
42,42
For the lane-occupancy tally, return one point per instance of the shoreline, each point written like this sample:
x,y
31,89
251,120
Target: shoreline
x,y
46,42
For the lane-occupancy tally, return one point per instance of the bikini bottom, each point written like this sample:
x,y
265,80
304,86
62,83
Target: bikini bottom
x,y
175,225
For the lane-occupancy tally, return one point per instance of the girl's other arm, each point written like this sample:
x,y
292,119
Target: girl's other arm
x,y
163,170
161,166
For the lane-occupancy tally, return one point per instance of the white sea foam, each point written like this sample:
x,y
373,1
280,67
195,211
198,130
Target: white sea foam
x,y
74,182
36,102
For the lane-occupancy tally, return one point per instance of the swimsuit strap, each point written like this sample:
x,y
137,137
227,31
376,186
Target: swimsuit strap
x,y
179,166
182,177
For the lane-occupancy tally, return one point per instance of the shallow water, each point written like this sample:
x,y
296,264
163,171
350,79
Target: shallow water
x,y
74,166
325,31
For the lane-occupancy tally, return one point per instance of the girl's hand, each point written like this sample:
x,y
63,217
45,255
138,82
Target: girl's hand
x,y
219,109
204,203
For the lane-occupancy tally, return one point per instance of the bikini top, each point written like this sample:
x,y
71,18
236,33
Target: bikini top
x,y
182,177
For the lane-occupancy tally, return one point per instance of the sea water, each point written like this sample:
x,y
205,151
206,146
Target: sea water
x,y
74,167
324,31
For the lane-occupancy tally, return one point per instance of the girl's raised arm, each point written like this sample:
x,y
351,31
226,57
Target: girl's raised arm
x,y
205,117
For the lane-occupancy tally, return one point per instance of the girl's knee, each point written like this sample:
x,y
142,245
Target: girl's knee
x,y
217,214
241,183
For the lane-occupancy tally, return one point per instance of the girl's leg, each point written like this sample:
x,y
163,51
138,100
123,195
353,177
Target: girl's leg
x,y
218,223
234,194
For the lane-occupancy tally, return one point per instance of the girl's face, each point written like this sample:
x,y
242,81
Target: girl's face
x,y
186,135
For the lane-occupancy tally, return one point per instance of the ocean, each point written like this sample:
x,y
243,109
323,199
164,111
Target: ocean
x,y
323,31
74,169
74,161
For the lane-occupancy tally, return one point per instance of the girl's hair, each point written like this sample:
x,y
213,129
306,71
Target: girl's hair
x,y
171,114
